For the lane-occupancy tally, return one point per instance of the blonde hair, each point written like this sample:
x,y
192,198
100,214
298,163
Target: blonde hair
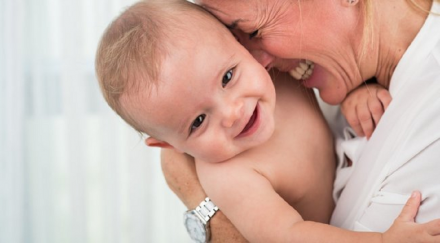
x,y
132,48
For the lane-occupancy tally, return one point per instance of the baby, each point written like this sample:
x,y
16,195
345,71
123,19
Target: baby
x,y
172,71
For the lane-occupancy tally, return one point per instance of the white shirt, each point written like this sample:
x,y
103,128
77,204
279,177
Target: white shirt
x,y
403,153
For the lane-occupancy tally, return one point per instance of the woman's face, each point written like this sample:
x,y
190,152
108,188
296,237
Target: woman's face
x,y
281,33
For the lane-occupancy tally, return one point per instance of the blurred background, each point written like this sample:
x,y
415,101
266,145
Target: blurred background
x,y
71,171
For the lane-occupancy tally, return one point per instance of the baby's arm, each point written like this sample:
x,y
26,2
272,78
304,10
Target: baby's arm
x,y
364,106
248,199
180,174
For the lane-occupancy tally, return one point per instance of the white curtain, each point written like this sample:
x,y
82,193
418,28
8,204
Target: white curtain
x,y
71,171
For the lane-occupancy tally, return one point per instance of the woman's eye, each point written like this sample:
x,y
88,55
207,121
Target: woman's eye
x,y
253,34
197,122
226,78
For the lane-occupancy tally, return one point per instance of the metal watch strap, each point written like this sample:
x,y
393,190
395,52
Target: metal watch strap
x,y
206,210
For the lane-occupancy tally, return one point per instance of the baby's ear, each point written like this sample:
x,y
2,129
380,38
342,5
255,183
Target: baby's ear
x,y
152,142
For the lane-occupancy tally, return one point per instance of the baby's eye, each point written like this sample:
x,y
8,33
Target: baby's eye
x,y
197,122
253,34
226,78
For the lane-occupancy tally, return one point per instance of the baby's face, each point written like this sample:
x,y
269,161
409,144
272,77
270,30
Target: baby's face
x,y
213,101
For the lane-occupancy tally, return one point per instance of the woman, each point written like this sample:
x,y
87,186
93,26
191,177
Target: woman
x,y
349,42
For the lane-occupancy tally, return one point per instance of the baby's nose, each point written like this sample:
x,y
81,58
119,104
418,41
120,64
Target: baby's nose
x,y
233,114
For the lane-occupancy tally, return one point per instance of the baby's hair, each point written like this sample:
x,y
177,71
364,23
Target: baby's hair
x,y
133,47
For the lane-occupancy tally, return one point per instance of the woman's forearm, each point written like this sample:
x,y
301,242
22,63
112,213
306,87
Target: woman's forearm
x,y
180,174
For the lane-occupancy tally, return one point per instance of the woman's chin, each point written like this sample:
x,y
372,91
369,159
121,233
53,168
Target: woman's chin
x,y
332,98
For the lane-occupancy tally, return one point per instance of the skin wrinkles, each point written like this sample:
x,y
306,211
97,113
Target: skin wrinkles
x,y
328,33
385,67
270,21
270,18
386,59
342,69
266,20
277,25
342,63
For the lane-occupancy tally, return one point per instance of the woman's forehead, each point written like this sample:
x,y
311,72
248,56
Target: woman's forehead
x,y
230,7
251,12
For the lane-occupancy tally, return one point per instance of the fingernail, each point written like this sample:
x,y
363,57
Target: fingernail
x,y
414,194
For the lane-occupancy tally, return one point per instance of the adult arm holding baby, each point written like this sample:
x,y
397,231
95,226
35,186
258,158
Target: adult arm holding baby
x,y
180,173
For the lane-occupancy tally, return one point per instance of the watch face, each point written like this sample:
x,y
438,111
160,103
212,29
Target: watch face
x,y
195,227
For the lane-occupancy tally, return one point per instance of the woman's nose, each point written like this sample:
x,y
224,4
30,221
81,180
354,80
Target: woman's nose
x,y
254,47
262,57
232,113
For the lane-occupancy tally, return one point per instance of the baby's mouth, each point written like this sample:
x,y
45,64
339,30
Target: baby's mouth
x,y
303,71
251,122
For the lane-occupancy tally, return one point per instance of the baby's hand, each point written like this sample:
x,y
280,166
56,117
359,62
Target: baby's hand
x,y
404,229
364,107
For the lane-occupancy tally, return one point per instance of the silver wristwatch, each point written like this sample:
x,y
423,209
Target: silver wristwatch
x,y
197,221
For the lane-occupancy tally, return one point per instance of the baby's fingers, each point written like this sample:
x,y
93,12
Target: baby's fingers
x,y
376,110
356,125
404,229
352,119
365,119
384,97
411,207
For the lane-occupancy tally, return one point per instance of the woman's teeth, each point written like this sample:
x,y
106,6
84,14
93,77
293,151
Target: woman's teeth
x,y
303,71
